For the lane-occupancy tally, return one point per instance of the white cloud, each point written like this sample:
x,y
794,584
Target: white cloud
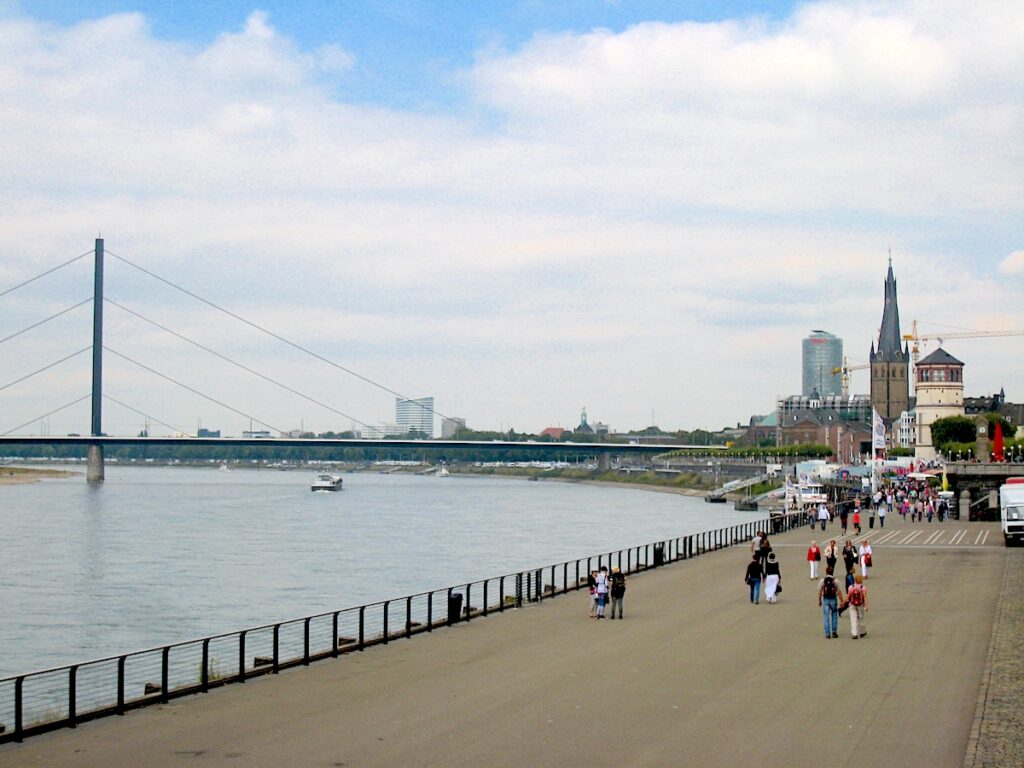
x,y
658,218
1013,264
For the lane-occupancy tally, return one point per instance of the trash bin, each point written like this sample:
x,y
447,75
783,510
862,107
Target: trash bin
x,y
454,607
659,555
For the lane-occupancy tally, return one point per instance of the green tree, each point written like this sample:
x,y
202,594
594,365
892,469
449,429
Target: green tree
x,y
952,429
995,418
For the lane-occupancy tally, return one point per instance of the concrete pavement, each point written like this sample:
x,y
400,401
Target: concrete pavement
x,y
694,676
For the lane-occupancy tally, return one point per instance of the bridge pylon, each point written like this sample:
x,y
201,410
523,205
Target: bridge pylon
x,y
95,470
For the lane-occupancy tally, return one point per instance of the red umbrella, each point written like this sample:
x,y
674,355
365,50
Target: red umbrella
x,y
997,445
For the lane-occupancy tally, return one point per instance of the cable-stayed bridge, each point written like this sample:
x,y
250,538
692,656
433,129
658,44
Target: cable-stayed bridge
x,y
95,438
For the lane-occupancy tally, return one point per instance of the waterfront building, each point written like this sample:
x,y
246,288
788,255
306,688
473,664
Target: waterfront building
x,y
939,384
416,415
380,431
451,425
584,427
204,432
851,407
890,362
906,429
256,434
849,439
555,433
763,429
822,364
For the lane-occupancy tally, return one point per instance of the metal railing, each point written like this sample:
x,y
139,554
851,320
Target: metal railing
x,y
65,696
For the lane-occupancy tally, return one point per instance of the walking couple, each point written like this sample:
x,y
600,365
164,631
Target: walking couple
x,y
603,585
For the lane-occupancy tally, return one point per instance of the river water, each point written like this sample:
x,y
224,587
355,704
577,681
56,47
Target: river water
x,y
163,554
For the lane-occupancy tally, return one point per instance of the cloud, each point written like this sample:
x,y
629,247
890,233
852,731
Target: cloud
x,y
652,217
1013,264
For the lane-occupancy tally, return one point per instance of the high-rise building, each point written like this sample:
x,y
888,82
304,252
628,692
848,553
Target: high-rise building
x,y
451,425
890,363
416,415
822,361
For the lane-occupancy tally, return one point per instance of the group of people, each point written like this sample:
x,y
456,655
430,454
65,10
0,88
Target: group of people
x,y
850,513
763,568
834,598
830,594
914,498
605,587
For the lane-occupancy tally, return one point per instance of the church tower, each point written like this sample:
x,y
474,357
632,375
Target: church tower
x,y
890,381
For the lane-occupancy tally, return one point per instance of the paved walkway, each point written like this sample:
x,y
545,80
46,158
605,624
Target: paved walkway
x,y
694,676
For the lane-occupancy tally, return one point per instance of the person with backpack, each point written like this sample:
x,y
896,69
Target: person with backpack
x,y
618,590
753,578
829,596
814,557
857,599
844,515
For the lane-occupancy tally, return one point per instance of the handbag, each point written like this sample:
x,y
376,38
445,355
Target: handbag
x,y
867,560
778,589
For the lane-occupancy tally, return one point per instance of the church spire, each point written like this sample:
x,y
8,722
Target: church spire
x,y
890,347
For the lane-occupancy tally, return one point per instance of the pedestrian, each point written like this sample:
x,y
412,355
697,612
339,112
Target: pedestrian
x,y
829,596
831,555
857,600
882,510
849,555
753,578
814,557
766,549
844,515
592,589
856,520
602,590
772,579
822,515
865,557
618,590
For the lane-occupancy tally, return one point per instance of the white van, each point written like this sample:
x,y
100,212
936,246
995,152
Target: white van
x,y
1011,509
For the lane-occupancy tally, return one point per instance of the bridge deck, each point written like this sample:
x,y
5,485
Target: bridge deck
x,y
695,675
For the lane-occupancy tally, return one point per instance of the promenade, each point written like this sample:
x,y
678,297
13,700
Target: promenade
x,y
695,676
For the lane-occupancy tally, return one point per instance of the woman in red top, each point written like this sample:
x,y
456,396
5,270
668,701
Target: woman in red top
x,y
856,520
814,557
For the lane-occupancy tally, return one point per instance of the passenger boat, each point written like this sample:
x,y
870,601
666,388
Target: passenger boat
x,y
327,482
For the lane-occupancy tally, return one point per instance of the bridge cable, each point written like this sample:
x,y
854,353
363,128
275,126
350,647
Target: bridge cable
x,y
55,410
146,415
193,391
51,317
244,367
270,333
44,274
45,368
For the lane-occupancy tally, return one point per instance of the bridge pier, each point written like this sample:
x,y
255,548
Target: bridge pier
x,y
95,471
604,462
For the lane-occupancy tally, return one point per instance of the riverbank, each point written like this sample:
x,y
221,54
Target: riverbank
x,y
23,475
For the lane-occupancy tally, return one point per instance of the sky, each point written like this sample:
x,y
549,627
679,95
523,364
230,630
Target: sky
x,y
519,208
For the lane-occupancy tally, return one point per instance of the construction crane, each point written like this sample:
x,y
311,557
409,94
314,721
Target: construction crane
x,y
915,338
845,370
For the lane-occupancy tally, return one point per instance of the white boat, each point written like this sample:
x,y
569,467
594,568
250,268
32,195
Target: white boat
x,y
327,482
443,472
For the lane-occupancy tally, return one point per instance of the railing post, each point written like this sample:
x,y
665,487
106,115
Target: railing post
x,y
565,577
519,590
577,575
362,627
19,684
334,634
408,616
165,675
629,560
430,611
501,594
387,606
305,642
468,612
241,656
204,676
485,596
277,660
553,590
537,579
120,685
72,695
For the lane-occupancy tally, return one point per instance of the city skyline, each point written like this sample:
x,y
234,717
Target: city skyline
x,y
637,206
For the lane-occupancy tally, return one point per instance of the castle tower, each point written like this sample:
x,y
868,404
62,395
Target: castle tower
x,y
939,384
890,383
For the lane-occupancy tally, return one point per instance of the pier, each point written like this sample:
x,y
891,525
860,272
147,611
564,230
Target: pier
x,y
694,675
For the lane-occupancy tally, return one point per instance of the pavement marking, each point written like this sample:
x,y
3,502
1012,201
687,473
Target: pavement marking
x,y
934,537
982,537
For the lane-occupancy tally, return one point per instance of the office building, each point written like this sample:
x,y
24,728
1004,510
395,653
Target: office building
x,y
415,415
822,361
451,425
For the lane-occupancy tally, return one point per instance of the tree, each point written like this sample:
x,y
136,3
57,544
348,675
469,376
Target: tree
x,y
952,429
993,419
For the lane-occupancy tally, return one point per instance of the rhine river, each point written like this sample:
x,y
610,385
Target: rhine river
x,y
163,554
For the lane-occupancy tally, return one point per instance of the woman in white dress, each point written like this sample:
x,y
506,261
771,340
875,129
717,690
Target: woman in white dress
x,y
772,578
865,557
